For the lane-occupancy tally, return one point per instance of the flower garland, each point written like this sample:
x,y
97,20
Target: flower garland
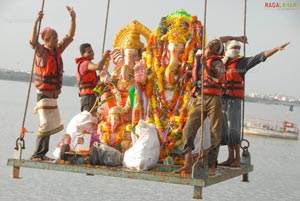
x,y
170,116
106,135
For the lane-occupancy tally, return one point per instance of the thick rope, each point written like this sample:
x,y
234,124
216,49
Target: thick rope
x,y
23,130
243,104
202,78
103,46
95,104
104,37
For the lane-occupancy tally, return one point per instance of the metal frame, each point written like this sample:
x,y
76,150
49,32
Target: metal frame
x,y
155,174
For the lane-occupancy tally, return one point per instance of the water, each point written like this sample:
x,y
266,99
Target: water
x,y
275,177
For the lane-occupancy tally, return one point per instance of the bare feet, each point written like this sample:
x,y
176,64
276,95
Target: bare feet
x,y
188,163
226,163
184,168
212,171
236,163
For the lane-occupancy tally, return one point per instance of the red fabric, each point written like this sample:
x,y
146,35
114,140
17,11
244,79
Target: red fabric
x,y
44,32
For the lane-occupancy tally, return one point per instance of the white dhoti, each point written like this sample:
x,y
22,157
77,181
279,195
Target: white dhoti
x,y
50,120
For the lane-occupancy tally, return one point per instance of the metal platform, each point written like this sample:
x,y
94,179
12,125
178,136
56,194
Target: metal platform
x,y
222,173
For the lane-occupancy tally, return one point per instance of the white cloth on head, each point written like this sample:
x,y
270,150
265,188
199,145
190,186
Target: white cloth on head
x,y
231,53
231,44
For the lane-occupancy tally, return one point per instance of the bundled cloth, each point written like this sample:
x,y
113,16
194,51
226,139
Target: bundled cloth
x,y
102,154
144,154
79,128
50,120
80,122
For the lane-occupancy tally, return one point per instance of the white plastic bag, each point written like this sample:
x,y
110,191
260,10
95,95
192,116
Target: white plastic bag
x,y
56,153
82,121
144,154
197,140
206,137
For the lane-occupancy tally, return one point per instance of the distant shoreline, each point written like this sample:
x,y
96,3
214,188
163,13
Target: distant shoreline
x,y
71,81
25,77
273,102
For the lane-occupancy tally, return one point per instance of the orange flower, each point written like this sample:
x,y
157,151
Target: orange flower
x,y
162,154
149,88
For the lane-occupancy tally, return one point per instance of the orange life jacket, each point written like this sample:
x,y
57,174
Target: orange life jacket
x,y
86,82
211,88
50,77
233,81
196,76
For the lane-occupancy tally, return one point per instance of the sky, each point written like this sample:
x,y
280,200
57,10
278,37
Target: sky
x,y
266,28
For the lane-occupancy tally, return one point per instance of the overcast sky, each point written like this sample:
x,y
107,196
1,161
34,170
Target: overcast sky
x,y
266,29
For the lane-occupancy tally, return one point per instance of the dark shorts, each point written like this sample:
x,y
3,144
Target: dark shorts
x,y
87,102
231,128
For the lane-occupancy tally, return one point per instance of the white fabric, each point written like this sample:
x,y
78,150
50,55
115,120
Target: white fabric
x,y
50,120
206,137
232,53
231,44
197,140
56,153
144,154
82,121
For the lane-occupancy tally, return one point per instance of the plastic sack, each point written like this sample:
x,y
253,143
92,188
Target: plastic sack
x,y
102,154
56,153
81,142
197,140
66,140
82,121
144,154
206,137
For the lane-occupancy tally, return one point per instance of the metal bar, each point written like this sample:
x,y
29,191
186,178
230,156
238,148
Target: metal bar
x,y
15,172
110,171
245,178
153,175
226,173
197,192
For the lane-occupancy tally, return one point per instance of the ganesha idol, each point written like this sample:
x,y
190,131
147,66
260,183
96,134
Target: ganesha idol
x,y
112,131
126,53
169,56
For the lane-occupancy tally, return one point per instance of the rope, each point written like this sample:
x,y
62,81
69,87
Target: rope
x,y
243,104
104,37
103,46
95,104
202,71
23,130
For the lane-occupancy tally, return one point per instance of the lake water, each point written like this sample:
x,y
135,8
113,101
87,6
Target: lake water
x,y
276,174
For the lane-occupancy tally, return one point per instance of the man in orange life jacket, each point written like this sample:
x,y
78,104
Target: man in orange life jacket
x,y
48,68
213,71
86,75
233,93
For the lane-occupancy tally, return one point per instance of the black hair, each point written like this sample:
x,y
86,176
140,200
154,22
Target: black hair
x,y
215,42
83,46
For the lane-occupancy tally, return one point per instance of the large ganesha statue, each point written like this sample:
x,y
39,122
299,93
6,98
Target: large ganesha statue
x,y
128,69
164,98
126,53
